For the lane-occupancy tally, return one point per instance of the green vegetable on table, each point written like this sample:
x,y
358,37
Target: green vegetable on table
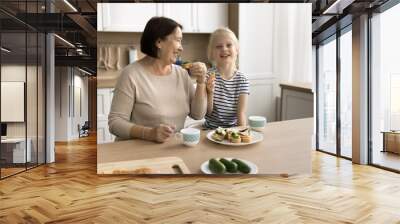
x,y
231,167
242,166
216,166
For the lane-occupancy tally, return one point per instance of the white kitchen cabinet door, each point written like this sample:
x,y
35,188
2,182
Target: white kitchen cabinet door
x,y
197,17
183,13
127,17
194,17
104,98
99,17
210,16
262,99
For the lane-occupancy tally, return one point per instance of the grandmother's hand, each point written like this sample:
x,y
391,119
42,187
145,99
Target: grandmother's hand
x,y
199,70
162,133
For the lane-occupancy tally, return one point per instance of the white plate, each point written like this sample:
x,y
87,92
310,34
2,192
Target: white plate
x,y
253,167
255,137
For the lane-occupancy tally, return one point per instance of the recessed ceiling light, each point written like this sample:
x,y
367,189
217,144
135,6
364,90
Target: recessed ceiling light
x,y
338,6
5,50
86,72
64,40
70,5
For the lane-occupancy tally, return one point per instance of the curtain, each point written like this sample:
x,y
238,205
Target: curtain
x,y
292,42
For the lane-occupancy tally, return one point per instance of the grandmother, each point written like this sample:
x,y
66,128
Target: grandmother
x,y
153,96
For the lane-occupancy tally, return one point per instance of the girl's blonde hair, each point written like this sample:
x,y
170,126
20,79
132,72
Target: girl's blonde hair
x,y
213,37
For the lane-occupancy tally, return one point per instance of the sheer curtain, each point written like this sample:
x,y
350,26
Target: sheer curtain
x,y
292,42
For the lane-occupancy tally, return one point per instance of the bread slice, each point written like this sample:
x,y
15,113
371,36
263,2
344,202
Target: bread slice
x,y
236,140
246,138
217,137
143,170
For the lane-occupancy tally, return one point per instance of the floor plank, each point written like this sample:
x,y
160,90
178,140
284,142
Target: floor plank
x,y
69,191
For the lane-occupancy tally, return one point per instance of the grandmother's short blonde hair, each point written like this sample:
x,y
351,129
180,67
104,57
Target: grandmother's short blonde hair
x,y
213,37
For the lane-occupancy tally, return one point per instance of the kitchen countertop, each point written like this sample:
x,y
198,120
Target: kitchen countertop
x,y
286,149
298,86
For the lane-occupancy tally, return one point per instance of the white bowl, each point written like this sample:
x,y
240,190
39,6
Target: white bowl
x,y
257,123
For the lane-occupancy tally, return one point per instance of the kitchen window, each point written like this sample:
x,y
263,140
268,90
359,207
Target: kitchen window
x,y
385,89
327,96
346,93
334,96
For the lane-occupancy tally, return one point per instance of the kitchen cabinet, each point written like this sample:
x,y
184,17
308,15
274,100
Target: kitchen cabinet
x,y
124,17
297,101
184,14
194,17
211,16
197,18
104,99
99,17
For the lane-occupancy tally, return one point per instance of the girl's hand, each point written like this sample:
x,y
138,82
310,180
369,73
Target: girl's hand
x,y
199,69
211,83
162,133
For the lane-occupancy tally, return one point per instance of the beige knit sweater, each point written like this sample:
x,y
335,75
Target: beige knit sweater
x,y
143,98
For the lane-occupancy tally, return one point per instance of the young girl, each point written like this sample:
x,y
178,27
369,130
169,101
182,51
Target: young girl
x,y
227,88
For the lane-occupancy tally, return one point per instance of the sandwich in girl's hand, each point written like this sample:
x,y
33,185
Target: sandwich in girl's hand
x,y
211,76
187,65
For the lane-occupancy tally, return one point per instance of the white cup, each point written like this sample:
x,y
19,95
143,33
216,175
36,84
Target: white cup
x,y
190,136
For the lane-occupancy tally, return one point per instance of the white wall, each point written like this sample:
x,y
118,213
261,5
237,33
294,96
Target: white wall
x,y
292,42
69,85
255,31
82,82
79,117
14,73
35,121
275,47
61,103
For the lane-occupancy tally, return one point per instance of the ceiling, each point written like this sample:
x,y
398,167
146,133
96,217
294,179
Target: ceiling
x,y
72,20
328,16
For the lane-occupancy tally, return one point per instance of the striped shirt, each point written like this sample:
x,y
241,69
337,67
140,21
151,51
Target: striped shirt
x,y
226,99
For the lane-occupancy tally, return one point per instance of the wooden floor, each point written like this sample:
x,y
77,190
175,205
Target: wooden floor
x,y
387,159
10,171
69,191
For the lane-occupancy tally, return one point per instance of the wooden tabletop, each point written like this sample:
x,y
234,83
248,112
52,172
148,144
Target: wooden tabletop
x,y
286,149
298,86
